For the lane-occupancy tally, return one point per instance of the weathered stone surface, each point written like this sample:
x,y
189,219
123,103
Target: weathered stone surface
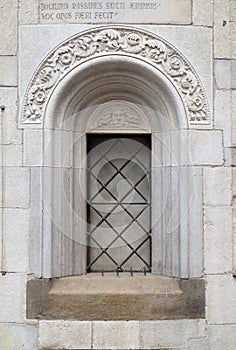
x,y
203,12
222,337
8,70
28,11
202,148
125,335
18,337
198,344
33,148
11,134
8,27
222,29
234,119
65,334
217,185
16,187
218,239
222,115
71,302
12,302
15,239
222,74
170,334
221,294
233,74
12,155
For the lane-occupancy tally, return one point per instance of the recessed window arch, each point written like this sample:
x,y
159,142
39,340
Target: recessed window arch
x,y
78,106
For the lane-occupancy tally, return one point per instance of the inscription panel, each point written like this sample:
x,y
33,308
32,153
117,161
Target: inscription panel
x,y
126,11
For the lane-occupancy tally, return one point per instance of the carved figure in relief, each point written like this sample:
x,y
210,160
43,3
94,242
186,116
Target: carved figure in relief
x,y
118,119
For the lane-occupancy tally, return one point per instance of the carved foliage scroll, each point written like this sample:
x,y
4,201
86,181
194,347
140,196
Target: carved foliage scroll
x,y
110,40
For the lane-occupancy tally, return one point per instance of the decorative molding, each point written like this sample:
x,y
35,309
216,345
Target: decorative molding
x,y
118,115
116,40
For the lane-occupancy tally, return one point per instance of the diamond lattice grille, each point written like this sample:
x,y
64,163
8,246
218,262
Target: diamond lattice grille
x,y
119,236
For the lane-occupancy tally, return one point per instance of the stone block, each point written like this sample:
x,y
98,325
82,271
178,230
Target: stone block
x,y
233,74
218,239
11,133
222,29
12,301
16,187
222,74
33,148
233,40
12,155
8,27
203,12
18,337
198,344
217,185
222,337
221,294
202,148
167,334
234,118
28,11
65,334
57,140
223,117
15,229
8,70
115,335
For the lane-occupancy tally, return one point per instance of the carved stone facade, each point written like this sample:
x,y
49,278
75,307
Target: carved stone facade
x,y
111,41
73,71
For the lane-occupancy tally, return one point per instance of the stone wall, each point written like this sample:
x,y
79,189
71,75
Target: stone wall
x,y
204,31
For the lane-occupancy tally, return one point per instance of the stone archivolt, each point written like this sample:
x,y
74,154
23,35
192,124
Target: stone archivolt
x,y
110,41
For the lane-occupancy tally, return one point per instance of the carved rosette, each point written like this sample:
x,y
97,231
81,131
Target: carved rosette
x,y
127,41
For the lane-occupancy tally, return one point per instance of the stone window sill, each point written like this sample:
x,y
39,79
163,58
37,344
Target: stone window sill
x,y
110,297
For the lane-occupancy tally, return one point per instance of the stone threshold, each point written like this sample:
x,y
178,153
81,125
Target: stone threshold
x,y
111,297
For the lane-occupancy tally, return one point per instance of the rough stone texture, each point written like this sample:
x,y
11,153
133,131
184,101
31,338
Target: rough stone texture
x,y
170,334
8,98
18,337
217,183
15,239
33,148
8,27
198,344
203,12
221,294
65,334
16,191
12,155
223,117
222,337
44,301
233,74
223,74
125,335
234,119
222,29
8,71
28,11
12,302
202,148
218,239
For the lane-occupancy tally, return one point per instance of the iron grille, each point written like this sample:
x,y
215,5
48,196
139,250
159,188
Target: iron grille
x,y
119,229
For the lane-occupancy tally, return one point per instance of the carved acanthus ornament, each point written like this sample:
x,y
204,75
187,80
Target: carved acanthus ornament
x,y
126,41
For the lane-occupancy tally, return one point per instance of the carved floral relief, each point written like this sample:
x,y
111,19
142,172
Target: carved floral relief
x,y
129,41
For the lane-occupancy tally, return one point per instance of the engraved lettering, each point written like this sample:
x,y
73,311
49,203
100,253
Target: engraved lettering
x,y
115,11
